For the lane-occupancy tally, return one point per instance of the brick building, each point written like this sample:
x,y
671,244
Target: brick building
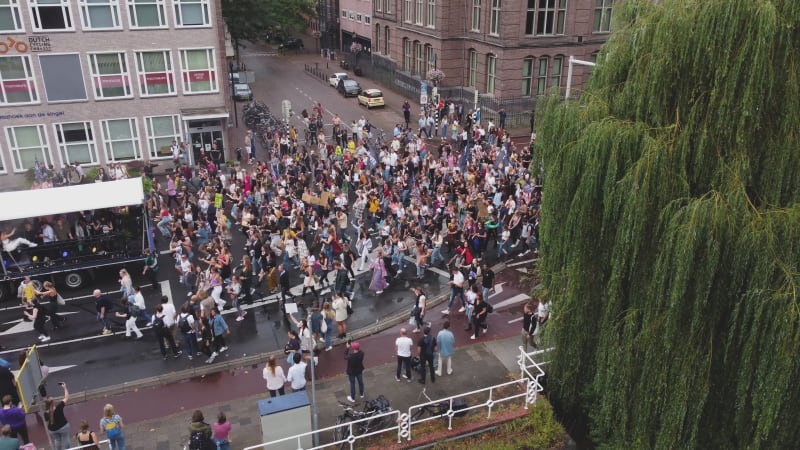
x,y
503,48
355,19
103,81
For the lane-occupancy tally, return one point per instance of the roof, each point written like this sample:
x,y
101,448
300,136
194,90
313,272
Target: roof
x,y
60,200
371,91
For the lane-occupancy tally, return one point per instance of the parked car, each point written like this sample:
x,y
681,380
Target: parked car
x,y
336,77
242,92
349,88
233,77
371,98
292,43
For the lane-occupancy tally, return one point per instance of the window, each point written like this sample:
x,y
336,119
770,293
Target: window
x,y
473,68
109,75
100,14
491,71
386,41
431,13
555,71
367,20
27,145
387,6
191,13
420,12
408,12
420,58
63,77
430,57
161,131
550,16
378,37
9,16
379,5
358,17
476,15
155,73
352,15
527,76
76,143
199,71
147,13
121,139
494,20
541,82
16,81
407,55
344,14
51,15
602,16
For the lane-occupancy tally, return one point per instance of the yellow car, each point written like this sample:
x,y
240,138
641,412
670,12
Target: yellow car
x,y
370,98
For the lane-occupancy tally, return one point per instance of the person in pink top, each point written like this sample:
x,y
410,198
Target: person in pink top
x,y
222,432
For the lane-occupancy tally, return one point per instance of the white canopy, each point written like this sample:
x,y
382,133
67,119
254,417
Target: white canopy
x,y
60,200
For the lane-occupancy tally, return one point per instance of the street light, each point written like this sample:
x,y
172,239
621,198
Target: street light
x,y
573,61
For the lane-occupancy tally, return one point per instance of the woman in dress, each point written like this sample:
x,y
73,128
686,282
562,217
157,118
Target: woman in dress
x,y
378,267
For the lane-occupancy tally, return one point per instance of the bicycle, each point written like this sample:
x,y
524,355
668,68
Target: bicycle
x,y
439,409
372,407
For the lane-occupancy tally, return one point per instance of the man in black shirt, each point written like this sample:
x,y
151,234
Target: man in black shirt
x,y
103,305
487,281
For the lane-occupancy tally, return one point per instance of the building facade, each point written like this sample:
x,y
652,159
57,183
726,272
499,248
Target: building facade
x,y
503,48
355,19
101,81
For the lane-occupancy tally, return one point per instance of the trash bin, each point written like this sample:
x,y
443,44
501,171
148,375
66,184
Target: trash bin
x,y
284,416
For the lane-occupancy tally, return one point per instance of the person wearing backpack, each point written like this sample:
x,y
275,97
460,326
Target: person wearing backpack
x,y
130,314
427,348
163,333
186,324
111,424
200,433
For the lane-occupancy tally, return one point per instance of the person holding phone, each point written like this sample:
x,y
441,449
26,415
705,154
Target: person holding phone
x,y
57,424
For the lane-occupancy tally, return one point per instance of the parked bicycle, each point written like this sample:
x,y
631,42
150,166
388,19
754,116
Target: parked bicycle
x,y
372,407
440,408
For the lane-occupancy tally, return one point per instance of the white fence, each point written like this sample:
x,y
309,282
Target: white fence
x,y
101,445
448,408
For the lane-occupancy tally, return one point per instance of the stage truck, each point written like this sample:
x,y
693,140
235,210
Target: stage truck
x,y
107,226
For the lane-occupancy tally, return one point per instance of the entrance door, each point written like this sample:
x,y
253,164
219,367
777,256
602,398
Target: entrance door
x,y
202,136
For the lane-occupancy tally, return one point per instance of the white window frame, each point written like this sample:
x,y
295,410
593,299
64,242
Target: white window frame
x,y
419,59
125,74
86,5
491,73
344,14
108,141
475,24
160,7
204,8
16,17
367,20
558,18
408,12
377,40
387,7
152,150
358,17
602,16
494,19
430,58
472,78
142,72
527,75
431,17
29,79
352,15
66,12
420,16
379,5
408,55
556,70
45,156
63,147
541,75
212,71
386,36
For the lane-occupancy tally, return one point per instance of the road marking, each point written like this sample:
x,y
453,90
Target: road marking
x,y
498,289
522,262
69,299
518,319
22,326
519,298
166,291
523,270
260,54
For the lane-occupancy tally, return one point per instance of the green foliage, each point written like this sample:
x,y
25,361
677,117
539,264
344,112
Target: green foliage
x,y
670,229
247,19
92,174
538,430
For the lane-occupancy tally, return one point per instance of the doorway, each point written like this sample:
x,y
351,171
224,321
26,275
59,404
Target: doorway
x,y
202,135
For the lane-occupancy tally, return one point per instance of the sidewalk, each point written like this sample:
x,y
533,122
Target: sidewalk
x,y
469,372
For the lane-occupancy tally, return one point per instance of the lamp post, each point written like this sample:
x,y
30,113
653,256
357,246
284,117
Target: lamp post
x,y
572,62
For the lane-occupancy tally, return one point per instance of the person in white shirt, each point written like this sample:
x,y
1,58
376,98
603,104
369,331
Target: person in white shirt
x,y
403,346
297,374
456,290
273,374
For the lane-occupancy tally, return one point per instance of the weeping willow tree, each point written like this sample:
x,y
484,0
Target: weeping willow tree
x,y
671,229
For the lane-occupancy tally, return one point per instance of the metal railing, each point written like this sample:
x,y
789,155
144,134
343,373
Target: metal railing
x,y
490,397
102,444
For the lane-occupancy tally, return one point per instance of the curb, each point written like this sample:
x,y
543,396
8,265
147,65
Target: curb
x,y
261,358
